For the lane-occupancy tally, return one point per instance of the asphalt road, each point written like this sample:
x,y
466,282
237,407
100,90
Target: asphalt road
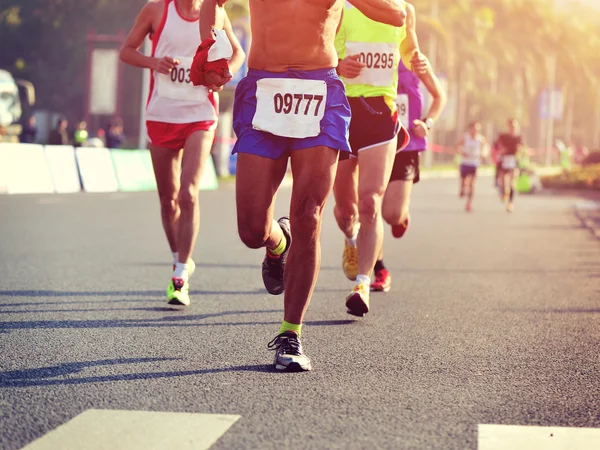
x,y
493,318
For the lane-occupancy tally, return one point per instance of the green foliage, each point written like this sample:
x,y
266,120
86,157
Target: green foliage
x,y
587,177
495,51
44,41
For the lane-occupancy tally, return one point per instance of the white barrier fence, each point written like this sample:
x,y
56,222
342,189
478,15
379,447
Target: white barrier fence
x,y
38,169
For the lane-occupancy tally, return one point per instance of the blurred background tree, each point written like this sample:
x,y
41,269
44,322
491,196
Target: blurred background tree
x,y
497,56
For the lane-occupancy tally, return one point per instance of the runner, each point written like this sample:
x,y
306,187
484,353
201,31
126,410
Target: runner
x,y
291,105
369,55
405,172
181,122
509,145
472,148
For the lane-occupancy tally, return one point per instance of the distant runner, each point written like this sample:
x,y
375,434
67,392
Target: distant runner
x,y
471,148
509,145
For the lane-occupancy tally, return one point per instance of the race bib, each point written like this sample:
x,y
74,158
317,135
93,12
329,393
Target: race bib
x,y
379,59
290,107
509,162
177,84
403,113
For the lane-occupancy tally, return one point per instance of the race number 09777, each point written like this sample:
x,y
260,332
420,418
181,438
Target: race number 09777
x,y
285,103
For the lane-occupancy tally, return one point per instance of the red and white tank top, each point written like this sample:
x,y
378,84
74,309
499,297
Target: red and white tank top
x,y
173,98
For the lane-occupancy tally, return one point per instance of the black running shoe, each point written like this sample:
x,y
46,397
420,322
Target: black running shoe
x,y
288,353
273,267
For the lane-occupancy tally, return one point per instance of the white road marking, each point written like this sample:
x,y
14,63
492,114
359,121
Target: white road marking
x,y
515,437
136,430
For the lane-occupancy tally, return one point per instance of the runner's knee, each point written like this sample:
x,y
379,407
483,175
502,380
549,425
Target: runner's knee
x,y
345,212
395,216
369,206
169,205
253,233
188,197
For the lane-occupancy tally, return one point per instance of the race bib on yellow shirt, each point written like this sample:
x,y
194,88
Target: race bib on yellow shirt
x,y
177,84
379,59
290,107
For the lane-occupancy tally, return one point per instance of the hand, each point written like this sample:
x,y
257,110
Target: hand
x,y
165,64
420,129
418,63
214,88
214,79
350,66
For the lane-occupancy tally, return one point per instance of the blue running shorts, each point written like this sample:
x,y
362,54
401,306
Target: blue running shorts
x,y
277,112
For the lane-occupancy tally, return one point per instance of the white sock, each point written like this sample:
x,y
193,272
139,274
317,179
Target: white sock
x,y
175,257
363,279
352,241
181,271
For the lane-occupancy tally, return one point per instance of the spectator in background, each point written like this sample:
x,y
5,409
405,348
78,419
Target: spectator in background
x,y
581,152
29,132
59,135
81,134
115,135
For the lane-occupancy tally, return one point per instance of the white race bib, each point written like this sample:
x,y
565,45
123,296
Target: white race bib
x,y
509,162
379,59
177,84
403,113
290,107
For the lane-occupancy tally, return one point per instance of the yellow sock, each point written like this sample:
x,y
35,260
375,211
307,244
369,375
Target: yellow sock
x,y
277,251
286,326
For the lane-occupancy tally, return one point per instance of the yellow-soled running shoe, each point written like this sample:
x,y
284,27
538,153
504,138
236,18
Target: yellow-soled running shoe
x,y
357,301
350,261
178,292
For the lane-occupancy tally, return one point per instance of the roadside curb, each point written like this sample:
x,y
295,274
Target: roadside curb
x,y
584,210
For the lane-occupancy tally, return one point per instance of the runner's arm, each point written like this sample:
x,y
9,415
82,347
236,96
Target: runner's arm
x,y
238,56
212,15
391,12
410,44
434,87
130,53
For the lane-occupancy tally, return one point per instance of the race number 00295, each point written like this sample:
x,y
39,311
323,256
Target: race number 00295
x,y
285,103
377,60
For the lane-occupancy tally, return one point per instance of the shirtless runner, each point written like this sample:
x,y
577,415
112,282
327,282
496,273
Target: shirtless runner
x,y
290,105
181,120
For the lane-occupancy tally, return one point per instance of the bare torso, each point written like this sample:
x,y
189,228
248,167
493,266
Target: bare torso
x,y
293,34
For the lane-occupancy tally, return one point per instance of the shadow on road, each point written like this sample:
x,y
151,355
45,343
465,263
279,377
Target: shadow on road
x,y
216,265
69,368
168,321
50,293
40,377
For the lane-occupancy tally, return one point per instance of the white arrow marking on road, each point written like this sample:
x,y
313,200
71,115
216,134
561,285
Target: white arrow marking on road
x,y
136,430
514,437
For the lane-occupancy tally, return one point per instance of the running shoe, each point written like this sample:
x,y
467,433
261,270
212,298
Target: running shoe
x,y
357,301
178,292
509,207
350,261
273,266
288,353
383,281
399,230
469,207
